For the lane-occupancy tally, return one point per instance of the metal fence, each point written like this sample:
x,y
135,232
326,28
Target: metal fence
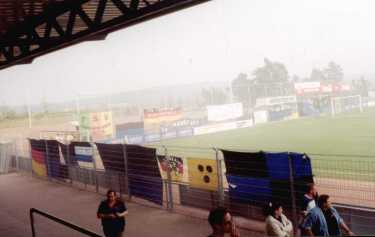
x,y
195,178
5,157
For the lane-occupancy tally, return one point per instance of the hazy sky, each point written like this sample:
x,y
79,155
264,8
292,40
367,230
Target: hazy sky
x,y
210,42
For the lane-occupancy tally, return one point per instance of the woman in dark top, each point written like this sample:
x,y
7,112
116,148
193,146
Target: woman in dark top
x,y
333,225
112,212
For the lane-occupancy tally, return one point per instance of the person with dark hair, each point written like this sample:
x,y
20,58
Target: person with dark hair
x,y
324,220
309,198
277,224
112,212
222,222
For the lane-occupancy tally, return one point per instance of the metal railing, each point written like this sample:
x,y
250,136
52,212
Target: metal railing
x,y
59,221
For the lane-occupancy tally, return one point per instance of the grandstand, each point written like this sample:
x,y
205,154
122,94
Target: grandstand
x,y
185,160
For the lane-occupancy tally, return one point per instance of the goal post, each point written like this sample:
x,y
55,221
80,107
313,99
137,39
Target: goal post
x,y
344,104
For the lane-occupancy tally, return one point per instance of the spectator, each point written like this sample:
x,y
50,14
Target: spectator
x,y
277,224
309,198
222,222
112,212
324,220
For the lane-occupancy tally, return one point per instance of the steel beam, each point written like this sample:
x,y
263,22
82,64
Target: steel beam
x,y
62,24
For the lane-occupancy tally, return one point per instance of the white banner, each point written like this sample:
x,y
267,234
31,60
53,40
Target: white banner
x,y
214,128
82,150
224,112
220,127
269,101
261,116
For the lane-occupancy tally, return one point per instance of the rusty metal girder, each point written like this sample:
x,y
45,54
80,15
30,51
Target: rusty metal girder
x,y
67,22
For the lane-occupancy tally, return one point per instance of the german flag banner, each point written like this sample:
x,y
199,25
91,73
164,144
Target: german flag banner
x,y
38,155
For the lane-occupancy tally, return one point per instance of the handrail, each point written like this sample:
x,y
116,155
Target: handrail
x,y
60,221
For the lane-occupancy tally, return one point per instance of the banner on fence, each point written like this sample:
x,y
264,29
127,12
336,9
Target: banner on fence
x,y
307,87
154,118
129,129
176,166
96,126
224,112
134,139
215,128
303,88
186,123
186,132
153,137
144,173
84,156
278,100
203,174
169,134
38,155
38,165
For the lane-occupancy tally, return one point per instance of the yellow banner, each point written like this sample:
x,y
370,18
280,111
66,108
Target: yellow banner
x,y
39,169
203,174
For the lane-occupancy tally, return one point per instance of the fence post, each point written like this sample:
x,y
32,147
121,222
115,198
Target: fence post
x,y
169,181
95,170
293,194
220,186
126,174
119,183
31,158
69,163
46,160
16,156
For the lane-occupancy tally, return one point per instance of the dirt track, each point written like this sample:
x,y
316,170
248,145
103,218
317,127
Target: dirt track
x,y
358,193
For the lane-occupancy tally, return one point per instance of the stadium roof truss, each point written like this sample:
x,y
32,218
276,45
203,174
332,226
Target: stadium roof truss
x,y
31,28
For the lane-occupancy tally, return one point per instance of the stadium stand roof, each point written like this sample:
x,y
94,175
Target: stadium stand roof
x,y
31,28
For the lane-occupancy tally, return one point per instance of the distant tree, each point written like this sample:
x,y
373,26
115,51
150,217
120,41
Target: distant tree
x,y
271,72
296,78
333,72
317,75
241,86
7,113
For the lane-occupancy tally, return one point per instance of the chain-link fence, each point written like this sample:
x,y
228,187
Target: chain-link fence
x,y
191,178
5,157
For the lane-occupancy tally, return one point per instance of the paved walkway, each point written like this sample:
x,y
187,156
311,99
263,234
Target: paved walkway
x,y
18,193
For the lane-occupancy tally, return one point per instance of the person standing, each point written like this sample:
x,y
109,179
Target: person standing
x,y
277,224
324,220
309,198
222,223
112,212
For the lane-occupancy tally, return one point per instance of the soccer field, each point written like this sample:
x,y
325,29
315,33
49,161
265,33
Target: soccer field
x,y
341,146
350,134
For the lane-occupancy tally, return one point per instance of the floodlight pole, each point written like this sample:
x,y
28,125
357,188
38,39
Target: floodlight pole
x,y
29,108
29,114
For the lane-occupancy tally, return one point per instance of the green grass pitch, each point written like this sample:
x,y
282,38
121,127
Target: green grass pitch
x,y
341,146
